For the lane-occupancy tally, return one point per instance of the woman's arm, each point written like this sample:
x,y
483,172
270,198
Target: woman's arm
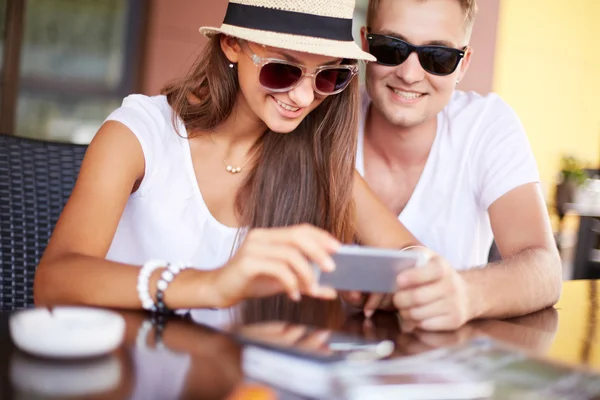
x,y
376,225
73,269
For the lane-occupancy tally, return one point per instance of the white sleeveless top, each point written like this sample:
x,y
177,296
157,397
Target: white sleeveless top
x,y
166,218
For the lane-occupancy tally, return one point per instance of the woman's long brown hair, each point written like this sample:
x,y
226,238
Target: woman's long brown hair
x,y
305,176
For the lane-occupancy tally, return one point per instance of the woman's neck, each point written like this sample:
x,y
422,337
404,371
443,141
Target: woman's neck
x,y
241,129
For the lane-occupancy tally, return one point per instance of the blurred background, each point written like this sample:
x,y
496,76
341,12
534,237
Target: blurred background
x,y
66,64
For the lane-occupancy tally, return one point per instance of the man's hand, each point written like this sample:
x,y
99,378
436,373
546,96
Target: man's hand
x,y
433,297
369,302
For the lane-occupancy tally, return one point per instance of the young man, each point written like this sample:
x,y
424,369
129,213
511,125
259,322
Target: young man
x,y
455,167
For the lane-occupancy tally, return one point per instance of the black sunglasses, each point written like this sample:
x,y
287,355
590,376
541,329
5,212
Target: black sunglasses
x,y
437,60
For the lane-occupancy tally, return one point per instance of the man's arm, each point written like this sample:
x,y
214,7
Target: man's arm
x,y
375,224
530,276
437,297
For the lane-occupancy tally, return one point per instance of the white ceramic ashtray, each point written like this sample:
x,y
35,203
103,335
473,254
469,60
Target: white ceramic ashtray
x,y
62,379
67,332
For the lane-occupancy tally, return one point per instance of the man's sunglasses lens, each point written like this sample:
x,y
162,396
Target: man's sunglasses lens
x,y
438,60
388,51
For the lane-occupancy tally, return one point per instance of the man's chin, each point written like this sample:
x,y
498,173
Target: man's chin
x,y
403,119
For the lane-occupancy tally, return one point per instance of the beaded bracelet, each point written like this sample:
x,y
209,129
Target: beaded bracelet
x,y
144,280
159,321
163,283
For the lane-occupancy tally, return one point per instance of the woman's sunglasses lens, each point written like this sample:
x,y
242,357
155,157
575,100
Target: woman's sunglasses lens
x,y
278,76
333,79
438,61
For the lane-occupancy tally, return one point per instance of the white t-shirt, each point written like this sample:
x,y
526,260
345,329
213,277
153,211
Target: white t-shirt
x,y
166,218
480,153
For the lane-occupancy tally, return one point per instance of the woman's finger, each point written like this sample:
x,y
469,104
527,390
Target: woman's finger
x,y
294,258
278,271
317,245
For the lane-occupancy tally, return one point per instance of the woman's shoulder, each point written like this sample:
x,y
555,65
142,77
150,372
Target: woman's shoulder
x,y
150,118
144,102
144,109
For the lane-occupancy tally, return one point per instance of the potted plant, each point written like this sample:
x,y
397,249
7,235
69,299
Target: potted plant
x,y
571,176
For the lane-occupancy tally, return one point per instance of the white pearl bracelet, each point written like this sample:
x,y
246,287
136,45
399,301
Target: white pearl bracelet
x,y
165,280
144,281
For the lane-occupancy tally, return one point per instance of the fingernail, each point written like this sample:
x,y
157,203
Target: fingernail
x,y
296,296
314,289
369,313
329,264
335,245
401,280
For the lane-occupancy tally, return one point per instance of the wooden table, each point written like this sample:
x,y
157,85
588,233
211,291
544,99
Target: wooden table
x,y
201,363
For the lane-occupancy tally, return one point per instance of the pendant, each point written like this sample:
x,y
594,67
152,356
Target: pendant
x,y
233,170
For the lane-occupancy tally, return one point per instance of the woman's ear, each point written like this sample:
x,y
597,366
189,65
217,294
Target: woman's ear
x,y
231,48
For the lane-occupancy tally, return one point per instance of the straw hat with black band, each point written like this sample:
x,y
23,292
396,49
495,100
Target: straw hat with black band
x,y
321,27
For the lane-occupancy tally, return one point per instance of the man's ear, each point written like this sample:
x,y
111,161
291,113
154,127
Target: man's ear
x,y
464,64
363,39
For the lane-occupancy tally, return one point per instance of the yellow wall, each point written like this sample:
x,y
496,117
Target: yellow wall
x,y
574,319
548,70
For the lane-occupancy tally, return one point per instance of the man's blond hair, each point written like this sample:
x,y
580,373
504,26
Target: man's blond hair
x,y
469,8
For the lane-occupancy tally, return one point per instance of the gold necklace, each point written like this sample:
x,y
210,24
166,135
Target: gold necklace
x,y
228,167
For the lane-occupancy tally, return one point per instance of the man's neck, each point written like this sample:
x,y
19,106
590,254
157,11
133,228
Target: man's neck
x,y
399,146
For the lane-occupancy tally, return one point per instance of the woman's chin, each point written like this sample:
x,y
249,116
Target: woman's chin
x,y
283,127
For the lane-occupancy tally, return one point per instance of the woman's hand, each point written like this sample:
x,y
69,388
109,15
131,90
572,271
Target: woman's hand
x,y
276,260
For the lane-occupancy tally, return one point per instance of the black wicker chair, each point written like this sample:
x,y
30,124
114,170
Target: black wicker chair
x,y
36,179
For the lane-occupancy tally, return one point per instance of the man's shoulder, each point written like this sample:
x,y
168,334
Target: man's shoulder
x,y
474,105
477,118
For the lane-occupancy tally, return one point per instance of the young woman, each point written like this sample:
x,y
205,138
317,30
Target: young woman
x,y
244,170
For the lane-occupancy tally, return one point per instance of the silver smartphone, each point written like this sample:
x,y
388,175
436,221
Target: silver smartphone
x,y
368,269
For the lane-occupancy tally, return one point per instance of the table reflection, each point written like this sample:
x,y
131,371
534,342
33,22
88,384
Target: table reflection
x,y
191,358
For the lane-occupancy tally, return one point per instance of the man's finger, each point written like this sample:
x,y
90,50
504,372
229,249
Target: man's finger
x,y
431,310
354,298
433,271
419,296
443,323
372,304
